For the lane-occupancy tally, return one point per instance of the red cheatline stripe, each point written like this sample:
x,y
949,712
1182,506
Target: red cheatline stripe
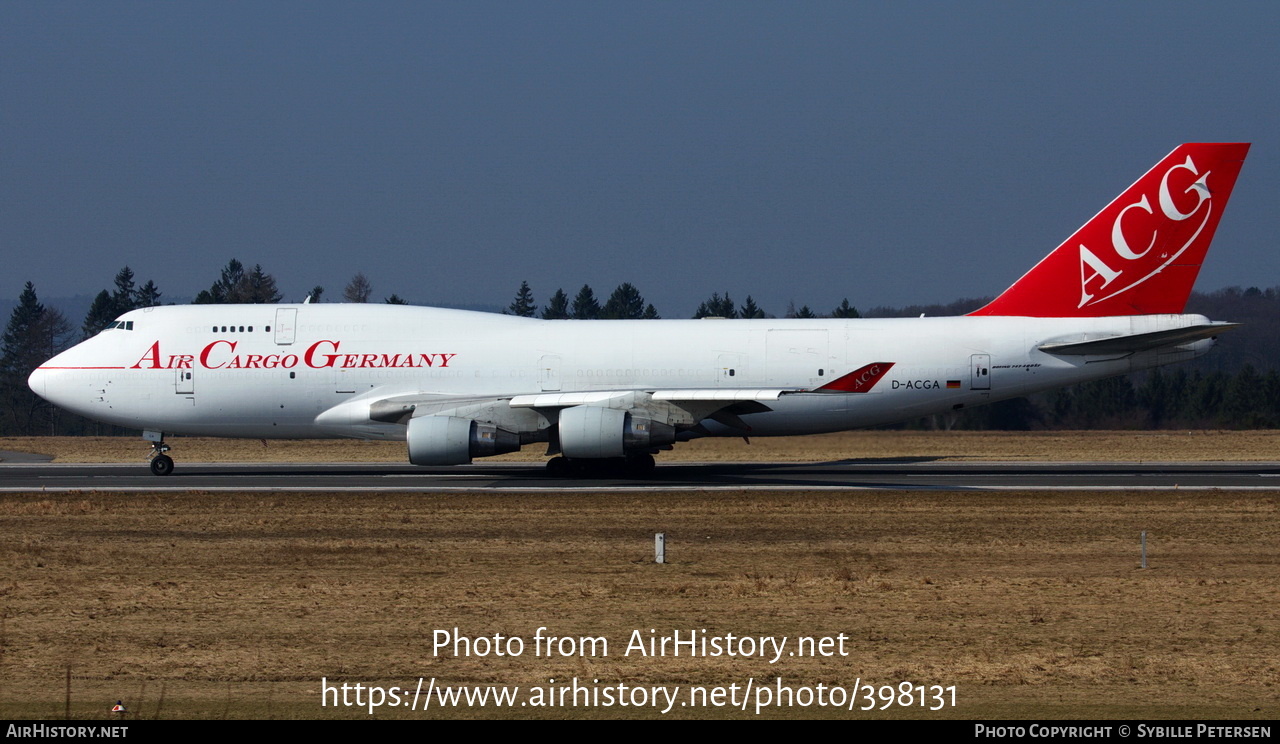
x,y
81,367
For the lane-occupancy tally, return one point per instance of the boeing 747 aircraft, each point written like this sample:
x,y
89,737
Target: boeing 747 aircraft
x,y
459,385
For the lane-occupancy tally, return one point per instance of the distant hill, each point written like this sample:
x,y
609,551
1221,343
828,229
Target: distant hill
x,y
1255,341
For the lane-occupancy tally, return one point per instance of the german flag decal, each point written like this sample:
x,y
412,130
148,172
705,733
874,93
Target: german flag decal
x,y
953,384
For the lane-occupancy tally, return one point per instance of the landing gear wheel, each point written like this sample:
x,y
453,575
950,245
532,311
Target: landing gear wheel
x,y
557,467
161,465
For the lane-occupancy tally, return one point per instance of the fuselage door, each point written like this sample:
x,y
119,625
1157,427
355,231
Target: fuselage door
x,y
980,372
286,325
729,370
185,384
795,358
549,373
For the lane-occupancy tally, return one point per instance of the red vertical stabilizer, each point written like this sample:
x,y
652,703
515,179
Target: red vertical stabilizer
x,y
1141,254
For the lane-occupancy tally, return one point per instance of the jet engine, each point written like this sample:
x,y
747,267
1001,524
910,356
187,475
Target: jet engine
x,y
448,440
596,432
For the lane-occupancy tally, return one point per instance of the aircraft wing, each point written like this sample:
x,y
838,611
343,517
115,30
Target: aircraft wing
x,y
693,404
681,406
724,395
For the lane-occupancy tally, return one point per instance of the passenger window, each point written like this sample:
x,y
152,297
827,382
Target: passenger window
x,y
242,329
215,329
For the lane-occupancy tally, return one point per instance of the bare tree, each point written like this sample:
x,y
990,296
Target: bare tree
x,y
358,289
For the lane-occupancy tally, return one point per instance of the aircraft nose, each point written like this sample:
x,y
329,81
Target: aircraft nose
x,y
38,382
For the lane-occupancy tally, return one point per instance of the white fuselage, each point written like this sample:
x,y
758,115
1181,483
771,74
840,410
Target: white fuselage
x,y
314,370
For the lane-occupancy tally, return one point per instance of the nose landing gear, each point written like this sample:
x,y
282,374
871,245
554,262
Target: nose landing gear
x,y
161,464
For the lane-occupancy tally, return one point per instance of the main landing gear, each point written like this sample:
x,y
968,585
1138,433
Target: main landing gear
x,y
637,465
161,464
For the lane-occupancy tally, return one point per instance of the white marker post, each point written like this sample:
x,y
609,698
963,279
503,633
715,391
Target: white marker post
x,y
660,547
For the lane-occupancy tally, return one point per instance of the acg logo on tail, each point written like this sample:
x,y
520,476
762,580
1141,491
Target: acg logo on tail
x,y
1097,274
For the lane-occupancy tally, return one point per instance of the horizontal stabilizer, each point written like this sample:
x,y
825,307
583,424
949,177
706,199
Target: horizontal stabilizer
x,y
1136,342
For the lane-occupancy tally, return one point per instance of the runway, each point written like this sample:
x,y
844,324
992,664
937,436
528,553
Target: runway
x,y
904,474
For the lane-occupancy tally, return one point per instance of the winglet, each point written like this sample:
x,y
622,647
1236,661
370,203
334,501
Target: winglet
x,y
1141,254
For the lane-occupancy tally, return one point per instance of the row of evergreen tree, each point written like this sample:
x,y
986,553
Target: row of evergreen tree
x,y
626,303
237,284
234,284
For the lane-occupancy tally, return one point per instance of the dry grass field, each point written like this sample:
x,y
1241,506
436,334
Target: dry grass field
x,y
1149,446
1031,604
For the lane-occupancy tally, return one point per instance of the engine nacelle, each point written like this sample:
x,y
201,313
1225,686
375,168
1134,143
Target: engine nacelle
x,y
596,432
448,440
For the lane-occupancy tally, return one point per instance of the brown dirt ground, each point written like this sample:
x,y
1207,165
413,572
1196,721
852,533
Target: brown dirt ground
x,y
1031,604
1155,446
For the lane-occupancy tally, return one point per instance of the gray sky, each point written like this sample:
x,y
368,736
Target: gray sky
x,y
893,153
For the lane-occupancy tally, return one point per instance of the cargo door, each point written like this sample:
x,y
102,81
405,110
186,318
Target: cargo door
x,y
549,373
980,372
286,325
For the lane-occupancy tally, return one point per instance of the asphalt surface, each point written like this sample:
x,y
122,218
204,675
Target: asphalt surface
x,y
11,456
909,474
